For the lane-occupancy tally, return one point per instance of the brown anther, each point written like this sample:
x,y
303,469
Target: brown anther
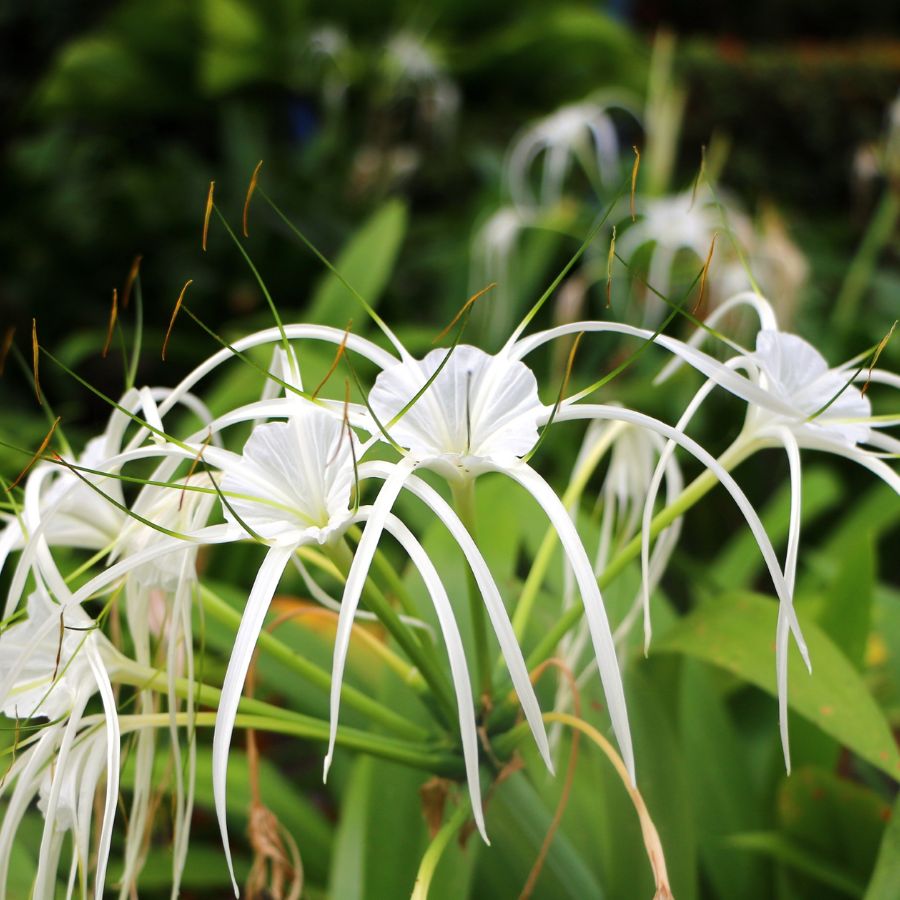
x,y
133,273
609,267
250,189
634,175
704,275
113,316
37,455
464,309
35,357
178,302
878,351
5,345
207,213
334,363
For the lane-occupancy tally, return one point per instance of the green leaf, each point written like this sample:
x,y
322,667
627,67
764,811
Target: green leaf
x,y
784,850
736,632
724,799
834,819
886,877
847,611
366,262
517,821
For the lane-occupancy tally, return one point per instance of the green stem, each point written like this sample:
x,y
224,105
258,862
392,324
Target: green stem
x,y
224,613
464,501
859,272
436,850
409,643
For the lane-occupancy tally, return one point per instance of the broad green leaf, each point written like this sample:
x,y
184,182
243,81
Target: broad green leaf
x,y
517,821
782,849
737,632
366,262
724,798
885,883
348,862
847,610
835,820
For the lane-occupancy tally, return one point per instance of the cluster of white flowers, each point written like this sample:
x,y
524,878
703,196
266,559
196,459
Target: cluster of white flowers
x,y
299,480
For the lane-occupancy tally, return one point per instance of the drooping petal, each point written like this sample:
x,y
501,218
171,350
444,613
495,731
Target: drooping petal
x,y
598,411
595,611
264,587
356,579
496,610
458,667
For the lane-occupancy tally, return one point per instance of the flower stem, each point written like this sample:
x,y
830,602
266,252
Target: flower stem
x,y
272,719
436,850
223,612
464,501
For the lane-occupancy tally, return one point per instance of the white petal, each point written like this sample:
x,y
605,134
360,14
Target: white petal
x,y
356,579
595,612
496,610
457,656
264,587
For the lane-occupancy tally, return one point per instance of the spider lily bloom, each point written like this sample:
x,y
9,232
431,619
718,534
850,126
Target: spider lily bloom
x,y
292,486
683,223
580,132
481,414
62,672
795,401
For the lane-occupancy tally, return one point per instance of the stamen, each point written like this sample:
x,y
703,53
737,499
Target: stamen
x,y
130,280
609,265
704,275
878,351
334,363
113,316
35,356
464,309
250,189
559,399
174,314
37,455
207,213
8,336
62,634
634,175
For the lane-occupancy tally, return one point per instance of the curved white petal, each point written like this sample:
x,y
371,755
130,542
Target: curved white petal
x,y
598,411
456,653
356,579
264,587
595,611
496,610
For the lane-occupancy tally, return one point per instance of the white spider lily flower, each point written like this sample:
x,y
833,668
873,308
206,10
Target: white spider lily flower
x,y
686,222
480,414
61,672
795,400
292,486
413,69
580,132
